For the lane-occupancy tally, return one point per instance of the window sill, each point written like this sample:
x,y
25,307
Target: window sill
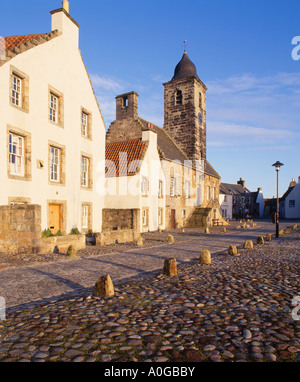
x,y
26,178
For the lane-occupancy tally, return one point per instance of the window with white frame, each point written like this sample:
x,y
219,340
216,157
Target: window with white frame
x,y
85,171
53,108
55,155
85,217
16,154
84,124
172,186
145,186
16,90
145,216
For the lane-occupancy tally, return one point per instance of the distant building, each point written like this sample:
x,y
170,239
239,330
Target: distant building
x,y
225,200
244,202
290,201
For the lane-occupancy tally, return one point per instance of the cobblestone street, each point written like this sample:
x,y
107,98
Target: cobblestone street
x,y
237,309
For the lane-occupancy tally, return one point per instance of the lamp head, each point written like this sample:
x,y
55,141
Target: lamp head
x,y
277,165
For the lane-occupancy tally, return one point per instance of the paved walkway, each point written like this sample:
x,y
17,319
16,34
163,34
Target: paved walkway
x,y
39,283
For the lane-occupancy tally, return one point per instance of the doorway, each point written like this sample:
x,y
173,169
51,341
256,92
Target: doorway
x,y
173,219
55,217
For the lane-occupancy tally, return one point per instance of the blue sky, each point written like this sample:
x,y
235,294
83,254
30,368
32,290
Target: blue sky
x,y
242,51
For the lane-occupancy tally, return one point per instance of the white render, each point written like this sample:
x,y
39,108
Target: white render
x,y
56,63
124,192
260,202
225,202
291,206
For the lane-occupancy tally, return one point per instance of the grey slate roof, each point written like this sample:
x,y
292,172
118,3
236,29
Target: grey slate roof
x,y
236,189
169,150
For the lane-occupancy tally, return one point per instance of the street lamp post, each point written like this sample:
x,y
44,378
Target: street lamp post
x,y
277,166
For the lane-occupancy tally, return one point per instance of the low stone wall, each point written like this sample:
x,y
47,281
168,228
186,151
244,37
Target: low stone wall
x,y
120,219
20,228
61,244
118,236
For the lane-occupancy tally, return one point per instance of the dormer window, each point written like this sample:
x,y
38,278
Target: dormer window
x,y
178,97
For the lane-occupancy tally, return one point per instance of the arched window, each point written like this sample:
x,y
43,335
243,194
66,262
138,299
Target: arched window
x,y
178,97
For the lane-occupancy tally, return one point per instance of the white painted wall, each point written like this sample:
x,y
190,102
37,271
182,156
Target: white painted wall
x,y
260,201
293,212
125,192
225,202
57,63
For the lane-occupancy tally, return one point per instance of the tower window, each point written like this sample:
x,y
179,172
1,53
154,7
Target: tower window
x,y
200,100
125,101
178,97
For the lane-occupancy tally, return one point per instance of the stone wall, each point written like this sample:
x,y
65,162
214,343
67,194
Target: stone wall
x,y
119,226
181,120
118,219
117,237
60,244
20,228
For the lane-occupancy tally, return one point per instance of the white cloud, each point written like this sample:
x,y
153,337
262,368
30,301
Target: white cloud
x,y
106,83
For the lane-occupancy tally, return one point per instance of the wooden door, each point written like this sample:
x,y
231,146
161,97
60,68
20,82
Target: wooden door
x,y
54,217
173,218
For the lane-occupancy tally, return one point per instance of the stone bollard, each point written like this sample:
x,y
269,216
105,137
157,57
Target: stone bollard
x,y
260,240
71,252
248,244
224,230
170,267
232,250
170,239
159,230
268,237
295,226
140,242
205,257
206,230
104,287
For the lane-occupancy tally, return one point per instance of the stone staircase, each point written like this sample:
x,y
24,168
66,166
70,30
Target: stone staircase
x,y
203,216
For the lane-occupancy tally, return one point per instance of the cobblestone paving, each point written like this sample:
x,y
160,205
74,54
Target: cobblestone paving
x,y
237,309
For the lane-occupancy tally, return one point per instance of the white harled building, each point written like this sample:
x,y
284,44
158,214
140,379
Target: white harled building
x,y
52,135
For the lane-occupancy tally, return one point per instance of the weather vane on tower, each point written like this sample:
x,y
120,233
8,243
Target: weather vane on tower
x,y
185,45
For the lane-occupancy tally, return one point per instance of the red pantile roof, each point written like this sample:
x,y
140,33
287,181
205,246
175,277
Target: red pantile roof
x,y
13,41
122,158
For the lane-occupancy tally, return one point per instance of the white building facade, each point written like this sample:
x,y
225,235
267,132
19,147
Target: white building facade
x,y
52,135
142,185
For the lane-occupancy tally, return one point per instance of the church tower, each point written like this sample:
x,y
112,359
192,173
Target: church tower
x,y
185,110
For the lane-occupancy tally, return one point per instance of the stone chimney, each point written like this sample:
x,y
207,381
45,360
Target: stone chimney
x,y
293,182
66,5
241,182
64,23
259,189
127,106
